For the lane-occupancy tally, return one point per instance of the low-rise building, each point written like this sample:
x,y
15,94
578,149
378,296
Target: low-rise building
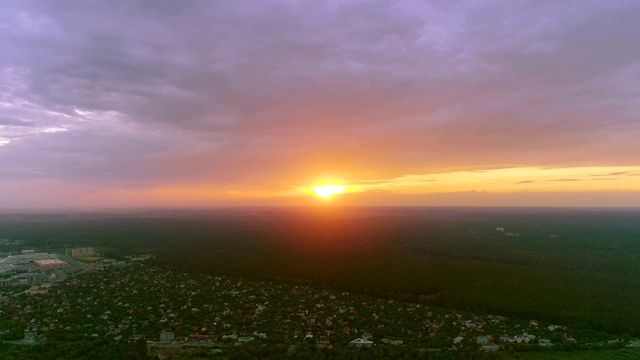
x,y
245,339
392,341
38,290
359,342
30,336
50,263
490,347
197,337
323,342
166,336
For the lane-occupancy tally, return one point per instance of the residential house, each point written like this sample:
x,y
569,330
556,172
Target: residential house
x,y
245,339
490,347
525,337
200,338
392,341
545,342
324,342
359,342
230,337
166,336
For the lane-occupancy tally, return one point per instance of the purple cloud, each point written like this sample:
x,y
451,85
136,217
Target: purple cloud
x,y
269,93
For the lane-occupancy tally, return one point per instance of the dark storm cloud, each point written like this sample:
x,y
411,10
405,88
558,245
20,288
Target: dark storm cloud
x,y
260,91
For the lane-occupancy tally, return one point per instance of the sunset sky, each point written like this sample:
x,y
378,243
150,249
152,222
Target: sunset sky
x,y
241,103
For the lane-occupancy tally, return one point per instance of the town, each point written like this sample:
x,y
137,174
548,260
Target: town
x,y
49,297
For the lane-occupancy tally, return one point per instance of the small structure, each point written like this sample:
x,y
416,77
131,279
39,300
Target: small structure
x,y
230,337
38,290
458,340
324,342
166,336
525,337
359,342
489,347
545,342
245,339
197,337
392,341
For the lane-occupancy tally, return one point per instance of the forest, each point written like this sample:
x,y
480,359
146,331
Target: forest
x,y
578,267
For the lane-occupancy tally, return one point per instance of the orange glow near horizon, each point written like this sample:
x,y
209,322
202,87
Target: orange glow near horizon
x,y
461,184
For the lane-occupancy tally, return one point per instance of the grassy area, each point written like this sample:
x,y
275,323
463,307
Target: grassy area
x,y
621,354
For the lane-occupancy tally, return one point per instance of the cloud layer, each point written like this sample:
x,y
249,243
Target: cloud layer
x,y
109,96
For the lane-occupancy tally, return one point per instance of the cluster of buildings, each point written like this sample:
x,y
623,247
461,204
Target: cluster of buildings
x,y
28,268
26,278
27,257
126,300
33,268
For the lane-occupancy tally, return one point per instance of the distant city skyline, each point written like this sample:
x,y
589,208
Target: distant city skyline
x,y
254,103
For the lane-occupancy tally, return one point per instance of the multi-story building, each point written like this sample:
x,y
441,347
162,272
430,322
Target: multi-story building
x,y
78,252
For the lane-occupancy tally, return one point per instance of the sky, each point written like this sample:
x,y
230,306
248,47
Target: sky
x,y
242,103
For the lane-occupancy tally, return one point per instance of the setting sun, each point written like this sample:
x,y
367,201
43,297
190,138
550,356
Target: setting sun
x,y
328,190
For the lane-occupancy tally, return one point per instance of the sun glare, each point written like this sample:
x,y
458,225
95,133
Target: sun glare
x,y
326,191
